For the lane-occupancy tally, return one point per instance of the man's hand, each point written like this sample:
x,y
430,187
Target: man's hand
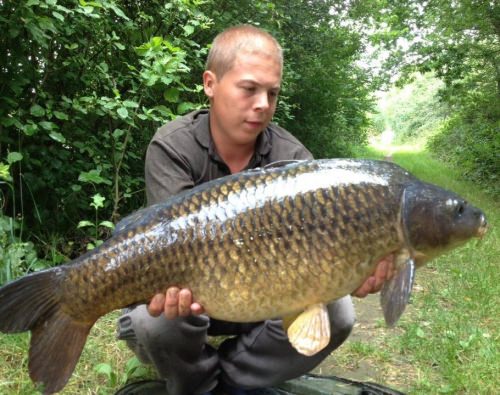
x,y
383,272
174,303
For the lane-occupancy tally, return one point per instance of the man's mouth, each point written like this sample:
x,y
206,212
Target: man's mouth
x,y
255,124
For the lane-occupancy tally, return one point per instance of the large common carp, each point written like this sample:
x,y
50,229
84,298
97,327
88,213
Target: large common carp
x,y
274,242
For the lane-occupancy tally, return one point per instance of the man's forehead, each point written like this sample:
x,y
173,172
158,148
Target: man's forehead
x,y
257,59
264,52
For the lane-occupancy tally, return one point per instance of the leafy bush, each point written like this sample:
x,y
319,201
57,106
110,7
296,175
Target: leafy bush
x,y
472,146
84,86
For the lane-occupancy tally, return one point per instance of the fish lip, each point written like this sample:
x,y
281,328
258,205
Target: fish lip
x,y
482,230
483,227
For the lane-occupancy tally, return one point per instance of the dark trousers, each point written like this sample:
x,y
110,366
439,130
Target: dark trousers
x,y
257,355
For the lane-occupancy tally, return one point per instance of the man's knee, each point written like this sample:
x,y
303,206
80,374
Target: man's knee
x,y
343,329
342,319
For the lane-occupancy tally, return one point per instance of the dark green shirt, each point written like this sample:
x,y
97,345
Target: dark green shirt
x,y
182,155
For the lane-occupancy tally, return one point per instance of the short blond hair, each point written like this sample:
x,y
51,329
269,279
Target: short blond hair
x,y
231,41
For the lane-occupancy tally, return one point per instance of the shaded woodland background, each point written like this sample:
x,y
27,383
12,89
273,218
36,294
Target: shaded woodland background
x,y
85,84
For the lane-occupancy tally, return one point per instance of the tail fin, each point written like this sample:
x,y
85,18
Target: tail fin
x,y
33,303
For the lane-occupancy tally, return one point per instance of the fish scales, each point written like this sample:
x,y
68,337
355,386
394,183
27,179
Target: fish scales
x,y
260,244
193,245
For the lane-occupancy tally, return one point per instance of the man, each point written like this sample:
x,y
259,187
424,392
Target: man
x,y
242,81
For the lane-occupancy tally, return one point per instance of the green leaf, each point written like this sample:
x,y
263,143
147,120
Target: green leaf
x,y
57,137
130,104
156,41
117,133
163,110
184,107
48,125
104,368
83,224
58,16
171,95
120,46
60,115
107,224
98,201
71,46
188,30
104,67
93,177
119,12
4,172
13,157
122,112
30,129
37,111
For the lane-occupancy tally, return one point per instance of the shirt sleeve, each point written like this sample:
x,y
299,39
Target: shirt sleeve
x,y
166,172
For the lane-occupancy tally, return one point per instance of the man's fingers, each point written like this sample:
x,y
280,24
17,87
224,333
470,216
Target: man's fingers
x,y
197,309
392,268
185,300
156,305
380,275
174,303
385,271
171,303
365,288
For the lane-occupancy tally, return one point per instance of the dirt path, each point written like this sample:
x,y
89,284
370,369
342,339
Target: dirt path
x,y
366,356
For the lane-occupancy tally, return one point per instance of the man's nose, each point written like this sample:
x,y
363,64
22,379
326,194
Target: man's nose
x,y
262,101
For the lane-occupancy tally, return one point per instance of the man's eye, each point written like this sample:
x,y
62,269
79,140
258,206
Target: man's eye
x,y
249,88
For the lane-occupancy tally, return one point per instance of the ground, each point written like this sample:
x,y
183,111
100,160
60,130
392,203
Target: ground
x,y
368,354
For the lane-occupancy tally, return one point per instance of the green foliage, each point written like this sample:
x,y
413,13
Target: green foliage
x,y
16,256
459,42
83,86
134,369
330,92
472,146
412,112
97,227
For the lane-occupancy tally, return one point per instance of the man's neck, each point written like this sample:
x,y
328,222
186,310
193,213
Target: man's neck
x,y
236,157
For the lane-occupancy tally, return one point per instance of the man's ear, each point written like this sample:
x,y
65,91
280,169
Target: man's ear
x,y
209,81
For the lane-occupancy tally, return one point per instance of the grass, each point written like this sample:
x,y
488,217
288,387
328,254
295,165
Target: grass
x,y
105,365
446,342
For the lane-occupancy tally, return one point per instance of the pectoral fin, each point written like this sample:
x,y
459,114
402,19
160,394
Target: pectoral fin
x,y
396,292
309,332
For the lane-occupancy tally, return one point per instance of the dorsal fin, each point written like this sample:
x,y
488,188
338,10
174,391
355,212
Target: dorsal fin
x,y
128,221
142,217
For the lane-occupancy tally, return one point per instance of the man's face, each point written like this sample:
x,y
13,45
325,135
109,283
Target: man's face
x,y
244,100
